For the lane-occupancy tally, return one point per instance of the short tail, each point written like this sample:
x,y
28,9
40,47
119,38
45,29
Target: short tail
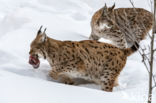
x,y
129,51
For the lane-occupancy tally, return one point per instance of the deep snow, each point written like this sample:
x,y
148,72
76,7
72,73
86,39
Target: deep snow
x,y
65,20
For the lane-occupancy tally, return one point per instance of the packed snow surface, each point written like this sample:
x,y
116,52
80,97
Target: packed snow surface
x,y
65,20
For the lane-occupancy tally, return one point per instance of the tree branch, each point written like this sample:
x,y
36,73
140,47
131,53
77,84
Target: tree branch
x,y
152,50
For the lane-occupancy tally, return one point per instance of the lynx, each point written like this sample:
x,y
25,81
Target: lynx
x,y
122,26
90,60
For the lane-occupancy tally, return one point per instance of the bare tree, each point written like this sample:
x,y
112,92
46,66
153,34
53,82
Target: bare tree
x,y
152,55
148,58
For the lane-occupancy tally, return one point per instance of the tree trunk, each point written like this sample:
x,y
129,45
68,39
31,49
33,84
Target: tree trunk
x,y
152,57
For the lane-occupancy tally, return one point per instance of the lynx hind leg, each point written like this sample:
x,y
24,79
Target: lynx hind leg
x,y
107,82
107,85
116,82
94,37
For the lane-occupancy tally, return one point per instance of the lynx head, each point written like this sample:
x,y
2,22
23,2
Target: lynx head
x,y
106,19
37,48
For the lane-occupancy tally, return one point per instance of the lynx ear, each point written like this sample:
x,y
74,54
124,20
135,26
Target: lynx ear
x,y
112,8
44,36
39,31
105,9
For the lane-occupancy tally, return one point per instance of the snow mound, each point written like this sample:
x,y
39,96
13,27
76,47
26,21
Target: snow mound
x,y
65,20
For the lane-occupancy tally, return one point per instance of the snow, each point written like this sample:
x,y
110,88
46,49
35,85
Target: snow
x,y
65,20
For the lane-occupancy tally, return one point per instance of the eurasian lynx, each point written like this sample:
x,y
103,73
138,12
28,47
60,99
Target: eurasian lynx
x,y
91,60
123,25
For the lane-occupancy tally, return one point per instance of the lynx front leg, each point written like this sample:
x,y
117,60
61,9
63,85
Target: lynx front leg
x,y
116,82
107,82
60,74
66,80
54,74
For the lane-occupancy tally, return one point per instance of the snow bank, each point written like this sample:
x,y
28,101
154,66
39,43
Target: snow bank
x,y
65,20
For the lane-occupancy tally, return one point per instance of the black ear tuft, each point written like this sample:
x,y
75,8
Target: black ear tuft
x,y
39,31
104,10
44,30
112,8
105,5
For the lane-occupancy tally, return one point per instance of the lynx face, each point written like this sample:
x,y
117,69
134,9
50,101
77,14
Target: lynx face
x,y
106,19
36,50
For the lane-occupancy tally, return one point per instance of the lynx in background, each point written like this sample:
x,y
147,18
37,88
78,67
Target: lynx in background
x,y
91,60
122,26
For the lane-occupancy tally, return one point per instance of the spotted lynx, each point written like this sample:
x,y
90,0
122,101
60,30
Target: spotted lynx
x,y
122,26
90,60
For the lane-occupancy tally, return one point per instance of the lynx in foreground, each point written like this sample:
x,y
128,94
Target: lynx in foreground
x,y
122,26
91,60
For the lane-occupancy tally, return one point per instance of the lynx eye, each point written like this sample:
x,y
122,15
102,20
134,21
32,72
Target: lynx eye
x,y
109,25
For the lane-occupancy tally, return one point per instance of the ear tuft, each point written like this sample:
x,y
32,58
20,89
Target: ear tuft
x,y
39,31
105,9
112,8
44,30
105,5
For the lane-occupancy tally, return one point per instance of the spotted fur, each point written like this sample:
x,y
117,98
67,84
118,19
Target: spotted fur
x,y
91,60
